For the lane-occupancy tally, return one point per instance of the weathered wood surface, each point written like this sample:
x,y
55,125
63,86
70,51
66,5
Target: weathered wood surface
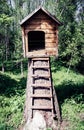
x,y
42,85
41,26
27,110
41,22
49,31
42,107
43,53
40,93
41,59
41,96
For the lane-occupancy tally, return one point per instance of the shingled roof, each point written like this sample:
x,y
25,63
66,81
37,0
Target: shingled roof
x,y
45,11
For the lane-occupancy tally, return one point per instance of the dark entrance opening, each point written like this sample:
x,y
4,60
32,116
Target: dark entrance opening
x,y
36,40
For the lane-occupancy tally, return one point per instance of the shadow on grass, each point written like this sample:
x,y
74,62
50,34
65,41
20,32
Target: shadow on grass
x,y
5,127
10,87
68,89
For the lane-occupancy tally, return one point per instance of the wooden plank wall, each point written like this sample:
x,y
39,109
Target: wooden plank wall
x,y
41,22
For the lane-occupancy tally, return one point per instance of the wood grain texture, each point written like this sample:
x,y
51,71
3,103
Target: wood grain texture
x,y
40,93
41,22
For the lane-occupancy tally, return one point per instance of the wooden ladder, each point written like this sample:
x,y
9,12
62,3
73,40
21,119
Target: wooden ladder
x,y
42,65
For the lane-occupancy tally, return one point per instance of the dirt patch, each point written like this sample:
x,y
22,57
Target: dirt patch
x,y
64,125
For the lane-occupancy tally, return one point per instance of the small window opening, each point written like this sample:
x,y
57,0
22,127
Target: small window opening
x,y
36,40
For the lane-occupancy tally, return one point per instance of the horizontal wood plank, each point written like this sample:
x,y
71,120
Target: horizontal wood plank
x,y
41,96
42,27
42,19
50,40
40,23
43,76
41,85
40,67
51,35
42,107
49,31
42,59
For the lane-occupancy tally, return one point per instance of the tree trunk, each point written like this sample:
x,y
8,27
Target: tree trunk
x,y
22,68
40,93
3,67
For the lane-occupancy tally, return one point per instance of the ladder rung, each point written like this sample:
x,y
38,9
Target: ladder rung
x,y
41,96
42,107
41,85
40,59
44,76
44,67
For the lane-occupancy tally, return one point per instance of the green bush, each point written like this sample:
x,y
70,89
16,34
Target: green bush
x,y
11,110
11,101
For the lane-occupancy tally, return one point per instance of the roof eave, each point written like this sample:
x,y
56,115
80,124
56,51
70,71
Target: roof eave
x,y
36,10
29,16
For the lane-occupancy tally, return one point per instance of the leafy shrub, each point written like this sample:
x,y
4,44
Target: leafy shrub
x,y
11,110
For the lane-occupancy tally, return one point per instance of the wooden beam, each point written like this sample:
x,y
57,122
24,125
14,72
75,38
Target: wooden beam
x,y
42,59
40,67
41,96
42,76
41,85
42,107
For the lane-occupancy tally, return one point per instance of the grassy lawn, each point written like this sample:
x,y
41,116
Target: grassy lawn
x,y
70,91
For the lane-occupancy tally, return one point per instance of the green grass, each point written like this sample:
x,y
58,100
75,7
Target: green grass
x,y
11,110
12,96
73,113
70,92
68,85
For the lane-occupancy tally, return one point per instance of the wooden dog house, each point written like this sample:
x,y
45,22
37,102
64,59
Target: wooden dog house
x,y
40,41
40,34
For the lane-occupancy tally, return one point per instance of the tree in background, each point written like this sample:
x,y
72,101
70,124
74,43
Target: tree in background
x,y
5,32
70,12
70,35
